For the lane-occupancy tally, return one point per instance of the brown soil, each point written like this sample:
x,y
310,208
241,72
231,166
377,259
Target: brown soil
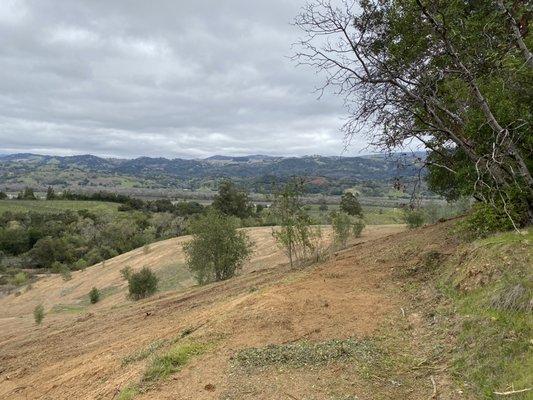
x,y
357,293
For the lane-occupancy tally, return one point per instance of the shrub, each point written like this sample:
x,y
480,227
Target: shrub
x,y
94,295
20,279
217,248
38,314
482,221
414,218
126,272
80,264
142,284
345,226
357,227
146,249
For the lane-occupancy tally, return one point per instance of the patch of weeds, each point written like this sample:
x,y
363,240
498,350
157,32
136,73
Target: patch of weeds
x,y
495,320
145,352
172,361
68,308
128,393
302,354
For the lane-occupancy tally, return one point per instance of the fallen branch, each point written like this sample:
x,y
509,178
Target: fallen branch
x,y
510,392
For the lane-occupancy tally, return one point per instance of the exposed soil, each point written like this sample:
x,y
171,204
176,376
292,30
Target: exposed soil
x,y
358,293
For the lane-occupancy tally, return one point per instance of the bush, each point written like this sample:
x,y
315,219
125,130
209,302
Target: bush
x,y
126,272
20,279
414,218
357,227
142,284
345,226
38,314
94,295
80,264
217,248
482,221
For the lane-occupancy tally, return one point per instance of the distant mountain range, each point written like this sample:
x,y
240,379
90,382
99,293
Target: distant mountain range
x,y
254,171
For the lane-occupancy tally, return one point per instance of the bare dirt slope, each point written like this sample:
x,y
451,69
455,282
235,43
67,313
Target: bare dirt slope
x,y
348,307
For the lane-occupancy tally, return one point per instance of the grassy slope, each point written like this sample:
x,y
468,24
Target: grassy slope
x,y
493,293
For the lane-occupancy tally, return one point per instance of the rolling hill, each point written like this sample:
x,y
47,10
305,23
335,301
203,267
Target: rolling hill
x,y
257,172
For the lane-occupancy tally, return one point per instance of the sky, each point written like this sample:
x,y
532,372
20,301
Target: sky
x,y
160,78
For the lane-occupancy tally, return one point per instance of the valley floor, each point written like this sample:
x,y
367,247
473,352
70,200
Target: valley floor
x,y
349,328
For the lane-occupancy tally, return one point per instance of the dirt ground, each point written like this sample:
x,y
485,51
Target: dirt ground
x,y
78,353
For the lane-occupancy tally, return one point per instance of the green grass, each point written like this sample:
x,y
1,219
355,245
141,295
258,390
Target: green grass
x,y
172,361
494,351
162,365
52,206
128,393
144,352
68,308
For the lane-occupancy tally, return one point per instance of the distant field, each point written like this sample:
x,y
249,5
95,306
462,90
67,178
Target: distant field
x,y
57,205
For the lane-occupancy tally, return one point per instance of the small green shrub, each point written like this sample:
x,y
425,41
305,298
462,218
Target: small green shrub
x,y
38,314
80,264
20,279
66,274
142,284
482,221
94,295
126,273
414,218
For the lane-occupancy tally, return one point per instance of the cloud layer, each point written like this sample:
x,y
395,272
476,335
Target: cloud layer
x,y
167,78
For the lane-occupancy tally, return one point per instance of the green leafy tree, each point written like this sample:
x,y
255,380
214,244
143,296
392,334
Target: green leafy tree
x,y
232,201
3,195
293,234
217,248
50,193
350,204
27,194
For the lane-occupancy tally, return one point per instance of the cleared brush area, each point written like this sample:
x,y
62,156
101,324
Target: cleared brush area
x,y
411,315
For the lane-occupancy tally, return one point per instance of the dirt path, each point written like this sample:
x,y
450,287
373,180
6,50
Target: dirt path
x,y
350,305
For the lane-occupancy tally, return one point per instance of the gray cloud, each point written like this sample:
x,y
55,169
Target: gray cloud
x,y
159,78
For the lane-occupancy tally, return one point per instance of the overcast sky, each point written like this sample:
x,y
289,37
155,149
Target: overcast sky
x,y
170,78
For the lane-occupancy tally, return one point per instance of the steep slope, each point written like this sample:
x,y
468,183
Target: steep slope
x,y
367,324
